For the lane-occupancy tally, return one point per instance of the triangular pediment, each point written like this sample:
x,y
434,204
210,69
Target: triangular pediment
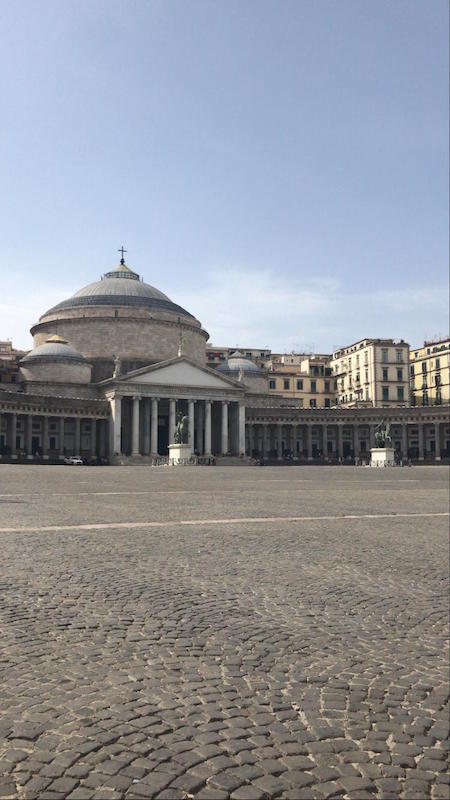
x,y
179,372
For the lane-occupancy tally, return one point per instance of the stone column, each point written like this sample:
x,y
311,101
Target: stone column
x,y
420,431
263,441
200,427
279,442
116,426
191,418
356,452
146,426
405,440
61,437
297,429
28,435
372,435
207,427
101,438
12,430
340,439
251,438
45,437
224,436
309,428
437,441
172,413
241,421
93,437
135,427
325,441
77,436
154,428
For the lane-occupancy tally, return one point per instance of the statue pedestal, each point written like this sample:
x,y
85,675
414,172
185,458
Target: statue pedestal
x,y
179,454
382,457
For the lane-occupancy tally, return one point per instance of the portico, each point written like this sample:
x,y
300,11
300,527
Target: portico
x,y
145,405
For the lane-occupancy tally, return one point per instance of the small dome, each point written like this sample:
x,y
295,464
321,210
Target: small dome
x,y
237,362
54,349
120,287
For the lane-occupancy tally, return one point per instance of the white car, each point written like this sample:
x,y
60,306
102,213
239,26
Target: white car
x,y
76,460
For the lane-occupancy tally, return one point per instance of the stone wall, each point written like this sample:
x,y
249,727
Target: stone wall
x,y
139,339
82,391
59,372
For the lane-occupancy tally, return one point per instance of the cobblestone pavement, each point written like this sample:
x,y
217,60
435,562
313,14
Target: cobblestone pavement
x,y
296,658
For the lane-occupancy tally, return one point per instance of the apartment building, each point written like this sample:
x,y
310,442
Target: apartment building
x,y
309,381
215,356
372,372
9,362
429,369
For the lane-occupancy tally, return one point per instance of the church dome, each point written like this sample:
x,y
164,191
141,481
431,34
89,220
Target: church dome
x,y
55,348
122,317
55,361
120,287
237,362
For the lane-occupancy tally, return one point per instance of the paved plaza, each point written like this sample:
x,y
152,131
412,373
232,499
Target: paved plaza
x,y
223,633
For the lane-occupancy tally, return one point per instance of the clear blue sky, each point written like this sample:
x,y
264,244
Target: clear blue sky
x,y
278,167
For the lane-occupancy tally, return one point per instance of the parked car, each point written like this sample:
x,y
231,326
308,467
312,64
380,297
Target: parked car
x,y
75,460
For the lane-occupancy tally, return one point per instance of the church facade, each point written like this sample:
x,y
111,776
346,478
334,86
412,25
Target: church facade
x,y
115,364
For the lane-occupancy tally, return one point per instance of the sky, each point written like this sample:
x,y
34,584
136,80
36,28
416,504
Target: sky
x,y
277,167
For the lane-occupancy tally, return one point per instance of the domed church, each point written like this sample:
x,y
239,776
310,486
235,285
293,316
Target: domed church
x,y
114,366
122,317
111,369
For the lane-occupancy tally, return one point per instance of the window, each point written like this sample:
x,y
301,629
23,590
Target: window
x,y
399,374
327,386
313,403
385,374
399,356
438,398
425,399
286,384
384,355
385,390
424,366
366,376
327,402
248,355
411,370
299,384
357,361
300,402
400,393
313,386
437,379
438,363
272,384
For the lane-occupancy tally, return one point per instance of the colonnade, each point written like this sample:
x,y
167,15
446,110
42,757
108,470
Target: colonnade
x,y
145,426
52,436
338,440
